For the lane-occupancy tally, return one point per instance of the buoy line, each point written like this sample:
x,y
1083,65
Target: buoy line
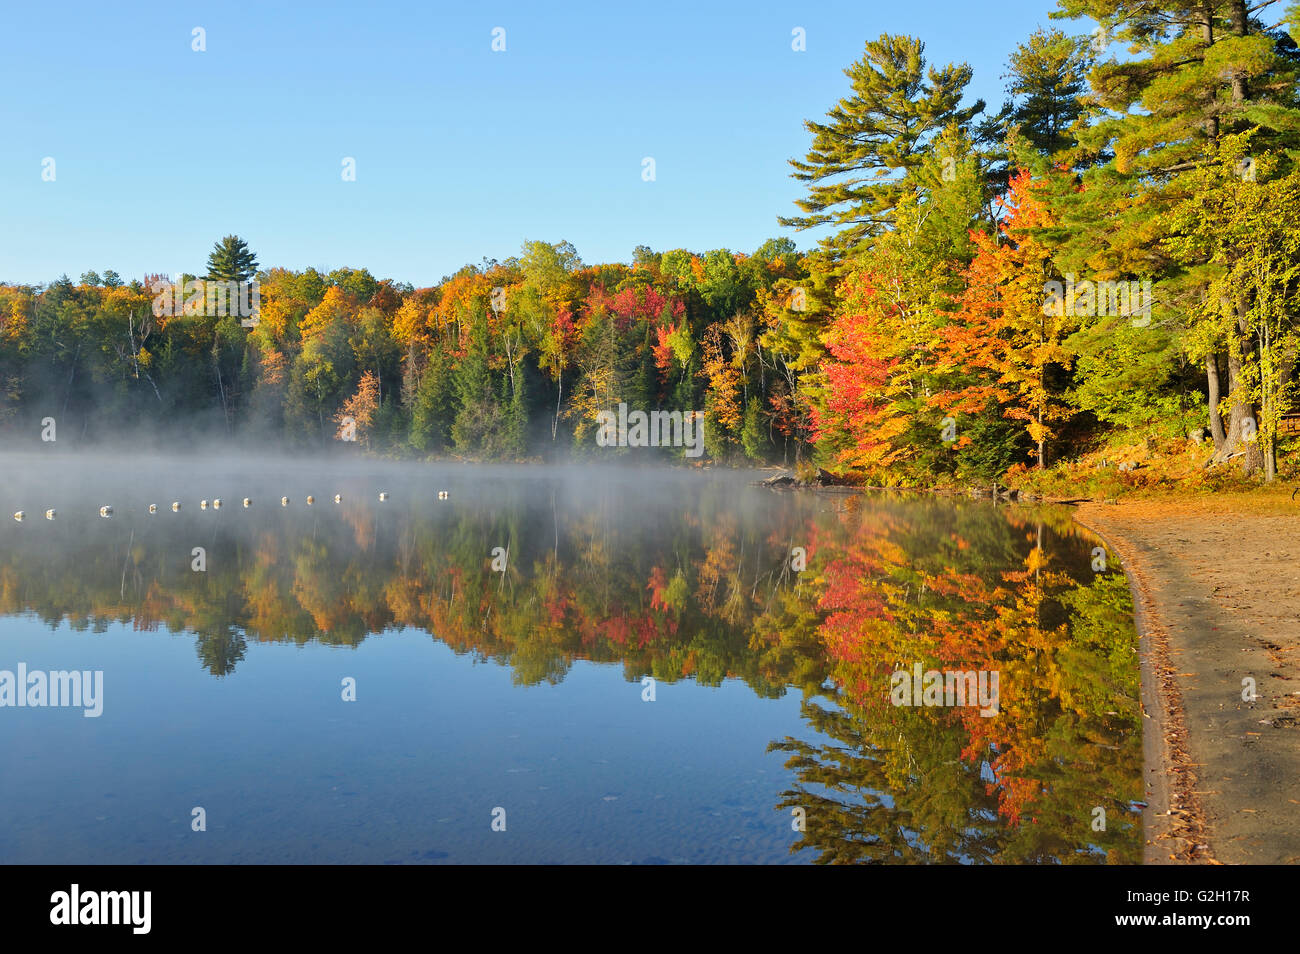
x,y
107,511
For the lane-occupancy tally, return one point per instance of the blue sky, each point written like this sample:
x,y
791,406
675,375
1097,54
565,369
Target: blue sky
x,y
461,152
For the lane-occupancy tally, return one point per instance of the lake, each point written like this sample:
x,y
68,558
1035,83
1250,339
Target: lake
x,y
554,664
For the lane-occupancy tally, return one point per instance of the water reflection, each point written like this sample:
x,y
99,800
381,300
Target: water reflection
x,y
688,578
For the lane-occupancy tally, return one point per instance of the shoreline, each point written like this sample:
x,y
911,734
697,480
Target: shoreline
x,y
1216,595
1166,775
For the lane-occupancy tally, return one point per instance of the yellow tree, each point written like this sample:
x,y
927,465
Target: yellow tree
x,y
357,416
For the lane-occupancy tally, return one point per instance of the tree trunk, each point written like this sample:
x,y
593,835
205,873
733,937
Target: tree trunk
x,y
1240,409
1240,27
1216,419
1207,35
559,394
1040,440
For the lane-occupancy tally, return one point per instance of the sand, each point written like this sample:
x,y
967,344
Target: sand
x,y
1216,585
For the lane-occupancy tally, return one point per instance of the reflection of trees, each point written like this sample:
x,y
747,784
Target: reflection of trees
x,y
888,784
678,595
855,810
704,590
220,651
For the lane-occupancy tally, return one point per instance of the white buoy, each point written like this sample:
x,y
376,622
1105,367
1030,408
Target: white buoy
x,y
247,503
382,497
203,505
153,508
310,500
106,511
284,501
442,495
19,515
338,498
176,506
49,514
216,503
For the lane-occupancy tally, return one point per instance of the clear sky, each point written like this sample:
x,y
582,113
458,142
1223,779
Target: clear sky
x,y
461,152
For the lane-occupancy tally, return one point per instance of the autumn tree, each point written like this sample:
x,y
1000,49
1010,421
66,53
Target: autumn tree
x,y
357,415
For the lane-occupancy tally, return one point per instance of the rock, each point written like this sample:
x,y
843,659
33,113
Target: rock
x,y
822,478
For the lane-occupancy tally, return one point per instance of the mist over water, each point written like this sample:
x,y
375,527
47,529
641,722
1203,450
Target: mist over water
x,y
765,625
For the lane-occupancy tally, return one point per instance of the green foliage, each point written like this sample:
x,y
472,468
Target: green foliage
x,y
752,438
231,261
996,445
1048,77
858,166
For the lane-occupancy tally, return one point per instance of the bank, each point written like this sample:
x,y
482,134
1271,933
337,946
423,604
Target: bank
x,y
1216,591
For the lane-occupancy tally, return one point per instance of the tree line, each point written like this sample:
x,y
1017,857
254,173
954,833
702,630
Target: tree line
x,y
1106,259
503,360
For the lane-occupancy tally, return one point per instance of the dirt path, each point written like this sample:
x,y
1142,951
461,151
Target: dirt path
x,y
1217,587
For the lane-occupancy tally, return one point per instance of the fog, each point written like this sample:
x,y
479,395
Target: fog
x,y
78,483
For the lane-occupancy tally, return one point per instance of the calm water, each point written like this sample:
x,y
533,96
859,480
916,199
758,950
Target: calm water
x,y
523,690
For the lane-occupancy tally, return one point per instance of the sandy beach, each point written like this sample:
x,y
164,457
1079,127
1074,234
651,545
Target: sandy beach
x,y
1217,596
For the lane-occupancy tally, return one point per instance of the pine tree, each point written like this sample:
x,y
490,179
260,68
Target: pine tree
x,y
231,261
1197,71
1048,78
860,160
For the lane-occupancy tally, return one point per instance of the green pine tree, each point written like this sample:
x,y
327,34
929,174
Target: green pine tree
x,y
859,162
1048,78
231,261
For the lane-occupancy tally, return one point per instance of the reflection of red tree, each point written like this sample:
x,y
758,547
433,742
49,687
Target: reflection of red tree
x,y
657,585
886,609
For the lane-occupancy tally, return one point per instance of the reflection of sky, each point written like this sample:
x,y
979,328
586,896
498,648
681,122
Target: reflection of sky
x,y
410,772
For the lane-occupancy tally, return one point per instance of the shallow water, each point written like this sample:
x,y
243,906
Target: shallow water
x,y
522,697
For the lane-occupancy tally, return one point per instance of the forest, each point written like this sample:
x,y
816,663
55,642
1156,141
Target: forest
x,y
1094,280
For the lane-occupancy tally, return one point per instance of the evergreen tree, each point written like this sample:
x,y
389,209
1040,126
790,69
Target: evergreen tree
x,y
860,160
231,261
1048,79
1197,70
